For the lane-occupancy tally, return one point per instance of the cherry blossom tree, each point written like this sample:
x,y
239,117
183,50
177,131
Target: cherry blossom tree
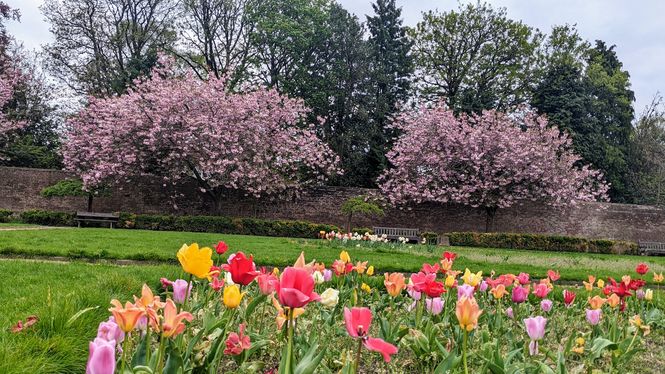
x,y
492,160
8,82
178,127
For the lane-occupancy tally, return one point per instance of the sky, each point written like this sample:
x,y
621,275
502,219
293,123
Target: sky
x,y
635,27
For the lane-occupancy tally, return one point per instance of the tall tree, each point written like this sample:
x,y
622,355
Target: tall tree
x,y
476,58
390,70
101,46
491,160
216,36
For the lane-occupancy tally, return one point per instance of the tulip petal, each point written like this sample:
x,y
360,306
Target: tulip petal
x,y
379,345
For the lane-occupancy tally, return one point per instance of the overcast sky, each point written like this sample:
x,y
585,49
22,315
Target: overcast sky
x,y
636,27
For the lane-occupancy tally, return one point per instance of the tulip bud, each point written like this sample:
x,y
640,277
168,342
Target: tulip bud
x,y
232,296
330,297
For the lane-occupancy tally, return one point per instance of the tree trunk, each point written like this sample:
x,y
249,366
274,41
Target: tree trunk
x,y
490,212
348,223
90,197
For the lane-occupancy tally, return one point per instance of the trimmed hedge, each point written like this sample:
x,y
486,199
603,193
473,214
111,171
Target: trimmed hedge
x,y
46,218
541,242
5,215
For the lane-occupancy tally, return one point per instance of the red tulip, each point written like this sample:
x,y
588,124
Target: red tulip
x,y
553,275
541,290
221,248
642,269
427,283
296,288
568,297
430,269
358,321
237,342
450,256
242,269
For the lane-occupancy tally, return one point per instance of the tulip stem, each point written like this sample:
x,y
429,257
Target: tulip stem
x,y
466,337
160,354
289,349
357,364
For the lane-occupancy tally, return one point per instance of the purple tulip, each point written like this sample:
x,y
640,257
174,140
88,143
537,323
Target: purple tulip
x,y
109,330
520,294
593,316
639,294
509,313
546,305
434,306
181,290
415,295
535,327
465,290
101,359
327,275
483,286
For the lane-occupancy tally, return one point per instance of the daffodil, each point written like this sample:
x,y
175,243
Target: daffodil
x,y
196,261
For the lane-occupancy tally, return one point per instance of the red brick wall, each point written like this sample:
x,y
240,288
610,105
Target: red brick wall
x,y
20,187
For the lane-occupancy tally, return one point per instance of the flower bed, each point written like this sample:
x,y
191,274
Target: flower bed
x,y
235,317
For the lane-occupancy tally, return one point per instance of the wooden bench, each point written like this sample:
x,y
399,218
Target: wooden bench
x,y
394,233
109,218
651,248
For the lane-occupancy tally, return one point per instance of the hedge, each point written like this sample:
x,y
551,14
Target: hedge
x,y
541,242
216,224
5,215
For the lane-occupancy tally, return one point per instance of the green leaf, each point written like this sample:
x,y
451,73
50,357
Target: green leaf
x,y
78,314
252,306
174,363
599,344
141,369
447,365
310,361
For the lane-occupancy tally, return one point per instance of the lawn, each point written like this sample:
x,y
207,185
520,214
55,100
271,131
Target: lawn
x,y
162,245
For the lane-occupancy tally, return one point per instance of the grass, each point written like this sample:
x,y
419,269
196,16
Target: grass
x,y
162,246
55,292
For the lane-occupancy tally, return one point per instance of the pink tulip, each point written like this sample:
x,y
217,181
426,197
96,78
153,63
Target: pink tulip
x,y
101,359
181,290
165,283
434,306
296,288
509,313
535,327
483,286
523,278
415,295
541,290
519,294
267,283
358,321
640,294
109,330
327,275
217,283
546,305
236,343
465,290
593,316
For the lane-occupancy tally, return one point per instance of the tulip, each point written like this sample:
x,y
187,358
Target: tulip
x,y
434,306
596,302
553,275
499,291
242,269
228,279
360,266
430,269
523,278
648,295
296,288
357,322
535,328
126,317
519,294
181,290
613,300
415,295
165,283
450,281
344,256
471,278
465,290
327,275
195,261
639,294
330,297
109,330
568,298
221,248
658,278
101,357
268,283
546,305
394,283
642,269
370,270
147,299
509,313
483,286
232,296
589,285
467,312
340,267
173,325
446,265
236,343
600,283
318,277
217,284
593,316
541,290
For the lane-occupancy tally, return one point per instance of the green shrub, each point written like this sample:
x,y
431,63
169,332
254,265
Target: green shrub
x,y
66,187
5,215
541,242
46,218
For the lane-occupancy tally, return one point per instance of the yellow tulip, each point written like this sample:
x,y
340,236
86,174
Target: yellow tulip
x,y
370,270
365,287
600,283
579,341
648,295
195,261
658,278
232,296
450,281
596,302
613,301
344,256
467,312
472,279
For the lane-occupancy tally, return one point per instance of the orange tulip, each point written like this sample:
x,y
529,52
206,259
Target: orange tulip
x,y
613,301
499,291
394,283
596,302
467,312
589,285
361,266
147,300
446,265
127,317
173,321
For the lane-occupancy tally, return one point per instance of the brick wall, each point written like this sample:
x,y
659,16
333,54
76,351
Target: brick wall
x,y
20,187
